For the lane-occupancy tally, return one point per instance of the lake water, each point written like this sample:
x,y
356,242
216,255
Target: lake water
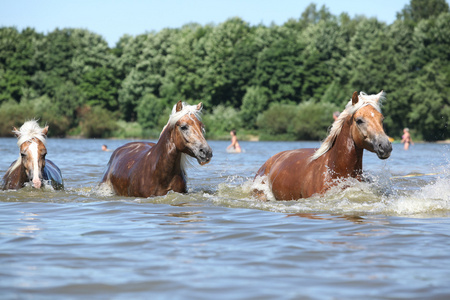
x,y
388,239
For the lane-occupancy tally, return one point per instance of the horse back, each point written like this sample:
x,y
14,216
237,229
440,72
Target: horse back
x,y
285,159
122,162
52,173
129,153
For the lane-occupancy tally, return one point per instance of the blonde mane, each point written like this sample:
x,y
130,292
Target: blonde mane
x,y
186,110
350,109
174,117
28,131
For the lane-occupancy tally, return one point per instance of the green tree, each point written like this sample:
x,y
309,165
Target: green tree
x,y
367,63
150,110
221,120
67,98
97,122
418,10
184,75
146,77
280,68
16,61
312,120
49,114
100,88
221,82
399,78
427,92
312,16
14,114
277,120
247,76
254,102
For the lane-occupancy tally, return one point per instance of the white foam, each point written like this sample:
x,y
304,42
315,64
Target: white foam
x,y
261,183
47,184
103,190
347,197
431,198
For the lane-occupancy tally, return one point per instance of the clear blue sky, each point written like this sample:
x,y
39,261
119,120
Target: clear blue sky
x,y
112,18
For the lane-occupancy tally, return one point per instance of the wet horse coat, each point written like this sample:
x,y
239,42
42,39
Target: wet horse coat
x,y
302,173
32,166
143,169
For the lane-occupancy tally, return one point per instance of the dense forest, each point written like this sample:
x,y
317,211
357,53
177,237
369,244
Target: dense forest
x,y
276,82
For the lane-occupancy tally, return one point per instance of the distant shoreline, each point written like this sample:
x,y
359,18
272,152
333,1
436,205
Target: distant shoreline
x,y
247,138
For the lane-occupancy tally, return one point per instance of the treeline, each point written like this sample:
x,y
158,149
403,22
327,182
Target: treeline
x,y
279,82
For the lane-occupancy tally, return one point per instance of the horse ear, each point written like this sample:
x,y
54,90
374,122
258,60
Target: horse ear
x,y
16,132
355,97
45,130
380,95
199,106
179,106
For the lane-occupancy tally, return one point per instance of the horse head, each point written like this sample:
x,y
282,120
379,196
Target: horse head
x,y
188,132
31,142
367,125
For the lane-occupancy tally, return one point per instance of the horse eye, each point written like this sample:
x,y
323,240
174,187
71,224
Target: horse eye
x,y
183,127
359,121
23,154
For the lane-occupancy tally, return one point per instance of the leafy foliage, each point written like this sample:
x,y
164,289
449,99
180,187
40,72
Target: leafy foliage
x,y
305,121
279,81
97,122
221,121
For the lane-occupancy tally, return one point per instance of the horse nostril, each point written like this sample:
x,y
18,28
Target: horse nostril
x,y
205,152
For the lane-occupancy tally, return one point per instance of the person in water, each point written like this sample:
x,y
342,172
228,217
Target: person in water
x,y
406,138
105,148
234,142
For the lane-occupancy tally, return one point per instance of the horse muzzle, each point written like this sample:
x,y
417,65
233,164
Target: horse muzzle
x,y
204,155
37,182
382,147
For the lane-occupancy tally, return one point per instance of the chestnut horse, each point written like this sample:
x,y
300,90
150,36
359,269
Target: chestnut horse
x,y
301,173
32,166
143,169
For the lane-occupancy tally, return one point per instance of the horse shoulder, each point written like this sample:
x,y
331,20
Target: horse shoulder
x,y
157,184
141,180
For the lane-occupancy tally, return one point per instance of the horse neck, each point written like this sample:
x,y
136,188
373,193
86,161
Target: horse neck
x,y
168,157
344,157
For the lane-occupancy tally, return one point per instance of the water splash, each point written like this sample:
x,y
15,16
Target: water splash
x,y
103,190
379,194
433,198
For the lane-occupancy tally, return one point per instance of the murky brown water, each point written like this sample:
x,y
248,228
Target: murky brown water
x,y
388,239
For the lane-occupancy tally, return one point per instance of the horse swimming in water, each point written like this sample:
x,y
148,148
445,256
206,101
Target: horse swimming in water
x,y
143,169
301,173
32,166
